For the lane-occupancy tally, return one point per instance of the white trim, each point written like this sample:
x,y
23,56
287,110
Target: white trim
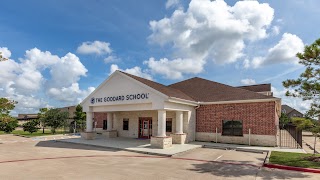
x,y
128,77
182,101
241,101
144,85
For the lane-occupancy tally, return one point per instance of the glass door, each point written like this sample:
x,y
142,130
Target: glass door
x,y
145,127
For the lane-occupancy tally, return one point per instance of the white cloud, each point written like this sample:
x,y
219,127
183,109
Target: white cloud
x,y
135,71
293,102
174,69
95,47
67,71
24,81
212,30
246,63
248,81
283,52
111,59
172,3
72,94
275,30
6,53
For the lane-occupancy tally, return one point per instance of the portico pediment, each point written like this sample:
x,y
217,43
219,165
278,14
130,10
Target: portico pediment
x,y
120,89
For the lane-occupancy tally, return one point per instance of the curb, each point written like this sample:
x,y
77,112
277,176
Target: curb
x,y
236,149
291,168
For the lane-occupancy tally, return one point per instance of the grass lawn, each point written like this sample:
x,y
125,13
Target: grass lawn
x,y
293,159
38,133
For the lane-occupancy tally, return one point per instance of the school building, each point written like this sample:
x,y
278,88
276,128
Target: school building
x,y
195,109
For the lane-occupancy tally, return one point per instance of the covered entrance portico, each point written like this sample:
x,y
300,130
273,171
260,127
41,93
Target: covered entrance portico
x,y
136,110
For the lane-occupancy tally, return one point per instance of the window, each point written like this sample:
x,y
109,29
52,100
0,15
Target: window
x,y
232,128
169,125
125,124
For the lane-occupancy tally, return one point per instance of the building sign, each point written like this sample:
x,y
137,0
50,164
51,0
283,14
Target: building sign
x,y
128,97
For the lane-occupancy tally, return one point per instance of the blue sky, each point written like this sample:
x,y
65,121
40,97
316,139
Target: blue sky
x,y
72,46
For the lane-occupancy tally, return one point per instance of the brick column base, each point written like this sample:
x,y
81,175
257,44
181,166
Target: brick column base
x,y
88,135
110,134
161,142
179,138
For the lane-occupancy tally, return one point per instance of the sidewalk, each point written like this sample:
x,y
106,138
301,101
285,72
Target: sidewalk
x,y
308,140
247,147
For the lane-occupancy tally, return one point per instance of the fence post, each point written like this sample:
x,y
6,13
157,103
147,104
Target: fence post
x,y
249,137
216,135
280,138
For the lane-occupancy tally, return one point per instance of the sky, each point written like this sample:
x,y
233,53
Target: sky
x,y
60,51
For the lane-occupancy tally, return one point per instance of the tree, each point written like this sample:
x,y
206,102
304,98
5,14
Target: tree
x,y
302,123
80,117
6,105
284,119
2,58
55,119
42,119
307,85
7,123
31,126
308,124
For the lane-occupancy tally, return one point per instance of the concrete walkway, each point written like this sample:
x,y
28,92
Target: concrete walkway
x,y
247,147
133,145
143,146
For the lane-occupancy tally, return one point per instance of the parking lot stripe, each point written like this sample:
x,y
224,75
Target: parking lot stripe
x,y
218,157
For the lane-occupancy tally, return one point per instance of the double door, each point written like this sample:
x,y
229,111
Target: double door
x,y
145,127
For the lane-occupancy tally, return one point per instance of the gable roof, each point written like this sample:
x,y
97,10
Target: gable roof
x,y
171,92
289,109
209,91
257,87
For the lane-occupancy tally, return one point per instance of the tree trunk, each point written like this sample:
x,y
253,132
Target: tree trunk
x,y
314,145
42,130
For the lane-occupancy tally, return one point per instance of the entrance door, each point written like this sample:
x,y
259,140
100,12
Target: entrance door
x,y
105,124
145,127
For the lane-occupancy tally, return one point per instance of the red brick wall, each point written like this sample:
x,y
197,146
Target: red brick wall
x,y
259,117
99,117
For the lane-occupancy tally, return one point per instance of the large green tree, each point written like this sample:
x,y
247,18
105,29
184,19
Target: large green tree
x,y
56,119
80,117
307,86
7,123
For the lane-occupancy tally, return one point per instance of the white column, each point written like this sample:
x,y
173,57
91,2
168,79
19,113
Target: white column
x,y
114,121
89,121
109,121
162,123
179,122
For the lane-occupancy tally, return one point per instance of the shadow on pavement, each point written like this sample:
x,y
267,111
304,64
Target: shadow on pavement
x,y
55,144
237,171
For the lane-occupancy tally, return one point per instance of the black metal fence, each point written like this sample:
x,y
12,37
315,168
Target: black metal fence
x,y
290,136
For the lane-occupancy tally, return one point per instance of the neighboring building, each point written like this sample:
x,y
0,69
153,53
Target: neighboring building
x,y
192,110
71,110
290,112
23,118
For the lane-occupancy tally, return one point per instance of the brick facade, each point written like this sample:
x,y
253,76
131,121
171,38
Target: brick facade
x,y
259,117
99,117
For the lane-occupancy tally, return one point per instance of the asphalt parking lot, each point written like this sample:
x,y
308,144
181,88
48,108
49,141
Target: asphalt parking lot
x,y
44,158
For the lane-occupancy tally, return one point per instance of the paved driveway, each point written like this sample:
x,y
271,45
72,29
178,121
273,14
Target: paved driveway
x,y
43,159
